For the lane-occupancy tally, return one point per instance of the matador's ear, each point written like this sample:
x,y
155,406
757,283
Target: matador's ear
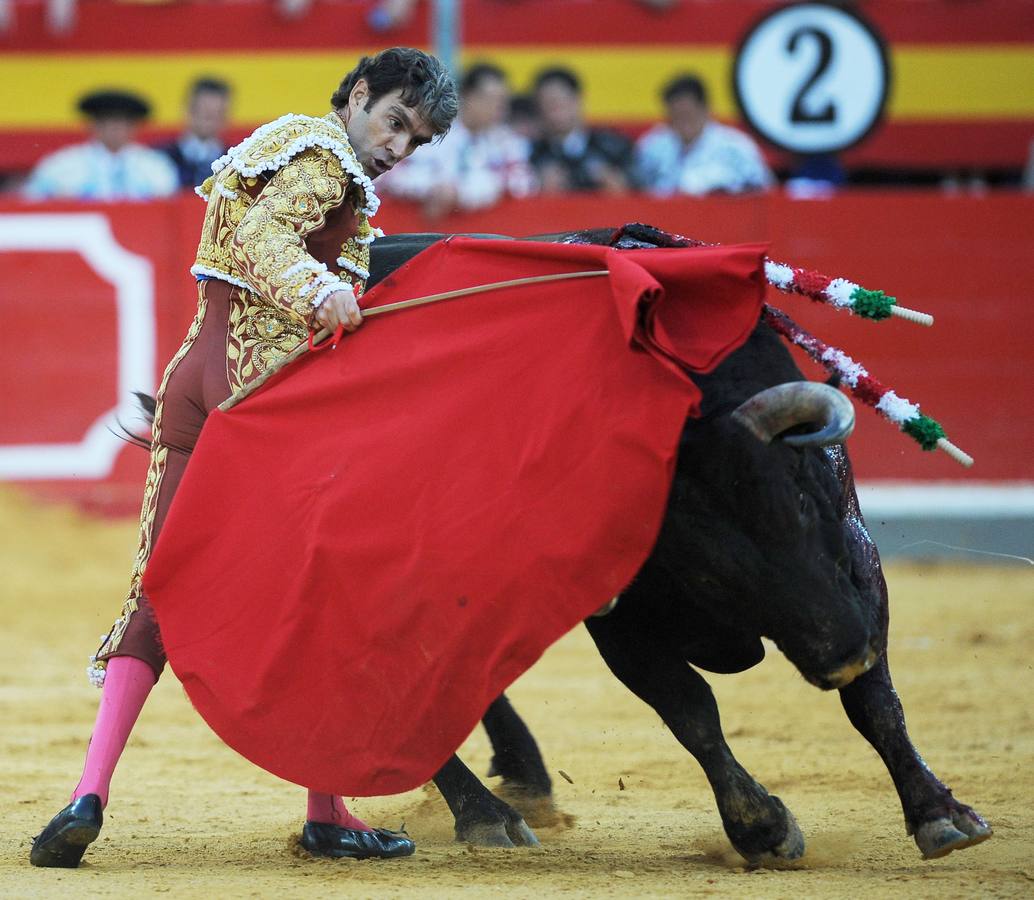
x,y
359,94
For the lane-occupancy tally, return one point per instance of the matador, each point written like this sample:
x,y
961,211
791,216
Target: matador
x,y
285,247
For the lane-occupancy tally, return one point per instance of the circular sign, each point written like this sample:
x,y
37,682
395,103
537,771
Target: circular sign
x,y
811,78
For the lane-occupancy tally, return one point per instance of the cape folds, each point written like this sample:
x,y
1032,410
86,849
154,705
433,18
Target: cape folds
x,y
367,551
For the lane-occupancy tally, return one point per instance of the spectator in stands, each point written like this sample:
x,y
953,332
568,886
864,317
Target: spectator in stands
x,y
480,161
524,117
208,107
694,154
110,166
815,175
570,156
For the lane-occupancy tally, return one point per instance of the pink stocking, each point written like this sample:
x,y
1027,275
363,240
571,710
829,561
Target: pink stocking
x,y
127,682
331,810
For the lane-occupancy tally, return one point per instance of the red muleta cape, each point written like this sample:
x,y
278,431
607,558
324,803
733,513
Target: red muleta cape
x,y
367,551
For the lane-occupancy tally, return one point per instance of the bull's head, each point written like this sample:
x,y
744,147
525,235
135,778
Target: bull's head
x,y
755,531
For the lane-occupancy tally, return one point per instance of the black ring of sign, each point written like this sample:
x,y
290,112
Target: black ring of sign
x,y
884,62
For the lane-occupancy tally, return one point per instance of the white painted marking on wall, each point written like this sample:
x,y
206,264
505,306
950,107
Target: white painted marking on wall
x,y
947,500
132,276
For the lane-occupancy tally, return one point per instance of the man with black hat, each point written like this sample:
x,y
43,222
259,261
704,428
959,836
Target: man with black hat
x,y
110,166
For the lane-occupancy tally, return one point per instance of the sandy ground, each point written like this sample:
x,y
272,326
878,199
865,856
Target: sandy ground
x,y
190,818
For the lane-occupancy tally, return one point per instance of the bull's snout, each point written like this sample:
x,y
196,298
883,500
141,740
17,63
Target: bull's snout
x,y
844,675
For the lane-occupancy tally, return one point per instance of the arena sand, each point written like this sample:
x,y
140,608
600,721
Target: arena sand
x,y
190,818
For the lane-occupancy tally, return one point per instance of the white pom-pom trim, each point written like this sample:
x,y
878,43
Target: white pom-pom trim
x,y
222,276
352,267
371,237
322,278
840,290
778,274
302,266
897,409
327,290
339,147
226,192
201,193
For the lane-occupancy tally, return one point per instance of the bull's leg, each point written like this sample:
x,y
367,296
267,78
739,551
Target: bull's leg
x,y
937,821
481,817
757,823
516,757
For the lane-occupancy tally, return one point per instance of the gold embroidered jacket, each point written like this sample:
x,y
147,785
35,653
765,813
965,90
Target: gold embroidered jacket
x,y
288,222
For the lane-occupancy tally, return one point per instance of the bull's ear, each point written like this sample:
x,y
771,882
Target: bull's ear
x,y
771,413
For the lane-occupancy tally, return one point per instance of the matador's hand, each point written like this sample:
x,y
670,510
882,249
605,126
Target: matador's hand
x,y
339,308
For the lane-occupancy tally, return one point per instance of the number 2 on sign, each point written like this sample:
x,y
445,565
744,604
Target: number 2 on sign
x,y
799,111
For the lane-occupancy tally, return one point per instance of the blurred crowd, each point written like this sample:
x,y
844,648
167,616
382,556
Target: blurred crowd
x,y
502,145
505,145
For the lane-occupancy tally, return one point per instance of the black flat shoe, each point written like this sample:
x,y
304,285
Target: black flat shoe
x,y
336,842
65,839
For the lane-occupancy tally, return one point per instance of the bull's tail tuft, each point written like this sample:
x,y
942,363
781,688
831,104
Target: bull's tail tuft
x,y
147,405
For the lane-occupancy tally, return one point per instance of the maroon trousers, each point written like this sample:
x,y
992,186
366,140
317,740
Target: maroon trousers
x,y
195,382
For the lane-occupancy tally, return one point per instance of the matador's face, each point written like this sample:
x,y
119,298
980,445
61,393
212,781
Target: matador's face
x,y
382,133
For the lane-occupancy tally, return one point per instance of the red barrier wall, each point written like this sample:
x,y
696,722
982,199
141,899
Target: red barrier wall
x,y
967,260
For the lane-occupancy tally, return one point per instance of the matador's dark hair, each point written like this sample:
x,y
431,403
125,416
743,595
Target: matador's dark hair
x,y
425,83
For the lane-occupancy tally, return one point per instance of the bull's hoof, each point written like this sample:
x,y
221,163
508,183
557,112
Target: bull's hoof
x,y
772,844
485,835
962,829
539,809
506,836
495,824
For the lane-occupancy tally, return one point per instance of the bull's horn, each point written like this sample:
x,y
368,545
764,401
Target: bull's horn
x,y
771,412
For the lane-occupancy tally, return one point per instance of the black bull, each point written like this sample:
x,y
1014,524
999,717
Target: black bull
x,y
759,540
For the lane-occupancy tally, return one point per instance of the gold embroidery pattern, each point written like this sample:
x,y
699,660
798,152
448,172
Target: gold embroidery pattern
x,y
257,336
258,243
254,241
152,486
270,239
356,250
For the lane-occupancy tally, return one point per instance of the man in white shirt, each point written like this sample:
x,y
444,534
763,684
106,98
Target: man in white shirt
x,y
110,166
694,154
479,162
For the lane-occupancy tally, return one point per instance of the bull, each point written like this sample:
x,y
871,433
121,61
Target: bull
x,y
763,538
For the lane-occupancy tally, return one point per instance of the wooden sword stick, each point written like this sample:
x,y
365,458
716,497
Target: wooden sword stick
x,y
324,333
